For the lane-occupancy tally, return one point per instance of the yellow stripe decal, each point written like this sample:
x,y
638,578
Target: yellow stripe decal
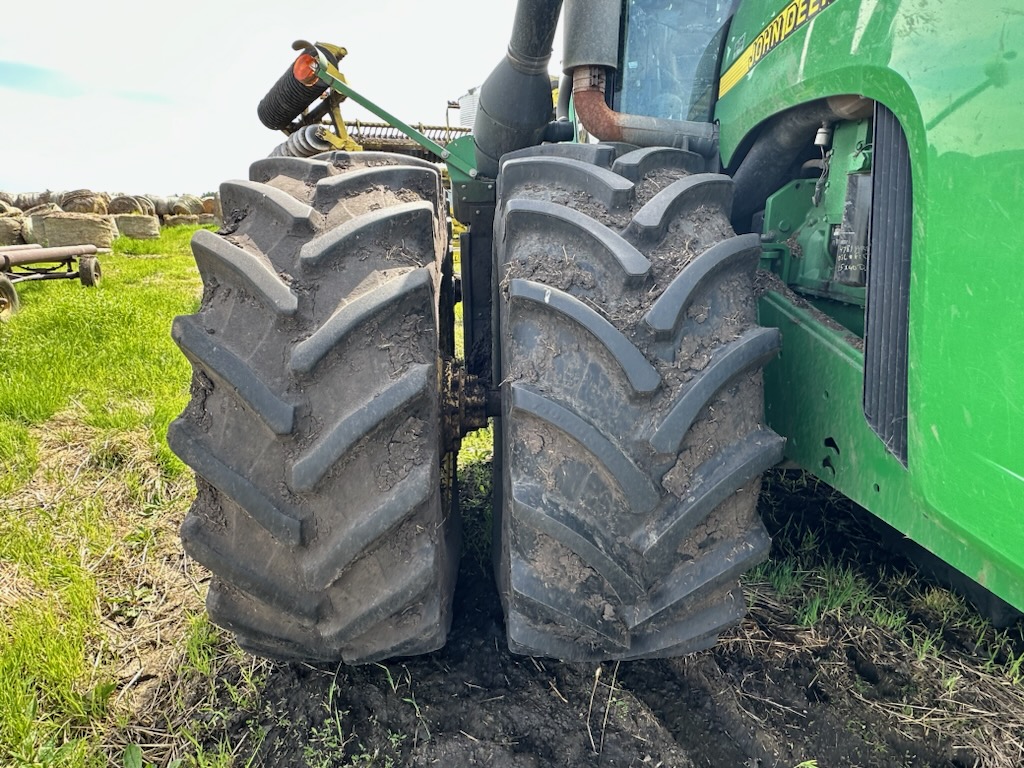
x,y
793,17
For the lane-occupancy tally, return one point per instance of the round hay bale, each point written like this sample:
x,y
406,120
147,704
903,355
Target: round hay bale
x,y
80,229
71,196
8,209
207,218
33,225
186,205
124,204
10,230
83,201
161,204
148,206
27,200
8,198
177,220
139,226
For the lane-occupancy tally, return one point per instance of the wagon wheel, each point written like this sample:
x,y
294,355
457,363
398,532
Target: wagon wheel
x,y
89,271
9,303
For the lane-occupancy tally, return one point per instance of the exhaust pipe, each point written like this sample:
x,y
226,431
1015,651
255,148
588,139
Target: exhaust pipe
x,y
591,48
604,123
515,108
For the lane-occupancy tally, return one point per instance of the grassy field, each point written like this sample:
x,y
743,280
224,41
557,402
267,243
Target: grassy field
x,y
99,607
90,494
106,655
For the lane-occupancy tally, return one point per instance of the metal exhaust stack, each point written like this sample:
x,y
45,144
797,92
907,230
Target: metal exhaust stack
x,y
602,122
591,48
515,104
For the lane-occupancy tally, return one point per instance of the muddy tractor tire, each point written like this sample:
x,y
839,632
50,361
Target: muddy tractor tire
x,y
323,506
631,436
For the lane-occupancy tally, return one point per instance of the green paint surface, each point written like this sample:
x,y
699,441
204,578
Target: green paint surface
x,y
954,77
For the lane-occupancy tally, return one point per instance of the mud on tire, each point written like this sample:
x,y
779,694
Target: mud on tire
x,y
322,504
631,437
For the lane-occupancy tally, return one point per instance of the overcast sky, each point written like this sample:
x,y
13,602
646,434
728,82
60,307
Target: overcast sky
x,y
161,98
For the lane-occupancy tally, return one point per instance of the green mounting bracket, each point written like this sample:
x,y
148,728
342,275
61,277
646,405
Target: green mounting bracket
x,y
332,78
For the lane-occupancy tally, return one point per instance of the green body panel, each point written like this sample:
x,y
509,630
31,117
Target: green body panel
x,y
813,397
954,77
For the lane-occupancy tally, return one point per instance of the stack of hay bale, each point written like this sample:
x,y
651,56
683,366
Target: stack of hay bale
x,y
135,216
82,216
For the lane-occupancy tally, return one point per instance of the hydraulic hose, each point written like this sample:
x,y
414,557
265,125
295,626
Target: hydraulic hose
x,y
763,170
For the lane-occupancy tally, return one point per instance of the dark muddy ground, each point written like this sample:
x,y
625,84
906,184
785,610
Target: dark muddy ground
x,y
781,690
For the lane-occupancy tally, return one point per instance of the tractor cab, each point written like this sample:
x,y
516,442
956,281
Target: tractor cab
x,y
669,56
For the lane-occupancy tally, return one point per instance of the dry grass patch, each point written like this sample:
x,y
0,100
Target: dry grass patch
x,y
898,652
100,512
15,588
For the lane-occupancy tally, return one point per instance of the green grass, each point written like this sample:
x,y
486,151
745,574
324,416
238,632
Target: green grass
x,y
805,571
831,574
47,689
201,644
90,499
829,566
106,350
91,381
475,500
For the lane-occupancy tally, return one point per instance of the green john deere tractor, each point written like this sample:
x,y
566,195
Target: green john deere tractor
x,y
790,234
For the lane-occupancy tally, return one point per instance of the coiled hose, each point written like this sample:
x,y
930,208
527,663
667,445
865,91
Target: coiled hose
x,y
289,97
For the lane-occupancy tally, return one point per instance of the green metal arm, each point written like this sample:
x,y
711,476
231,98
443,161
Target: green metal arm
x,y
331,77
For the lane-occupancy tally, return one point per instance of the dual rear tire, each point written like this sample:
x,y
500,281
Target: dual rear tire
x,y
629,446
